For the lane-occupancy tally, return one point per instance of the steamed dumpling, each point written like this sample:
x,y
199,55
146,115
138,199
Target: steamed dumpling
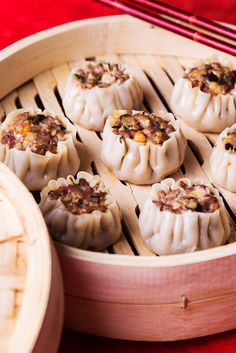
x,y
205,97
80,212
142,147
95,89
183,216
223,159
38,146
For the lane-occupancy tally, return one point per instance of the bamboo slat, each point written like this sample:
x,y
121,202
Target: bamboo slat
x,y
25,277
127,289
12,272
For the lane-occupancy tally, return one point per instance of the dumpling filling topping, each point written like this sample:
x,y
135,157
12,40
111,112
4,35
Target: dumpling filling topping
x,y
80,198
212,78
198,198
230,141
38,132
142,127
100,74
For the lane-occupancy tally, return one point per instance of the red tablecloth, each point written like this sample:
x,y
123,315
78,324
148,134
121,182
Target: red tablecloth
x,y
20,18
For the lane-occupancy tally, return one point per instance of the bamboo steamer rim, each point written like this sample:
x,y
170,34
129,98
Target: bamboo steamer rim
x,y
37,295
148,261
14,51
95,282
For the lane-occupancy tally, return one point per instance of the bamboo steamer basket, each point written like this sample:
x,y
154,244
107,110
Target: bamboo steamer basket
x,y
31,294
127,292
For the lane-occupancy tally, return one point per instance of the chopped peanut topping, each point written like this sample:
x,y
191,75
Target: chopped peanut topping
x,y
141,127
212,78
100,74
196,198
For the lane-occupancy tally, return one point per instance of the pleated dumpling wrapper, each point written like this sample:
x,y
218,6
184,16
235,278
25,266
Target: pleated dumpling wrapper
x,y
142,147
38,146
96,88
183,216
80,212
223,159
205,97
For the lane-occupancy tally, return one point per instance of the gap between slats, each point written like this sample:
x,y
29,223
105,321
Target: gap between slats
x,y
46,91
200,140
167,75
203,141
119,191
45,84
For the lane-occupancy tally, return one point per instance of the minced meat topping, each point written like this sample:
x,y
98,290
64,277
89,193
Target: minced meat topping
x,y
230,141
198,198
100,74
80,198
141,127
38,132
212,78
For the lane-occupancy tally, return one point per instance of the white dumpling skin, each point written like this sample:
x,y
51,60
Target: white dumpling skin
x,y
223,164
89,231
167,233
35,170
203,111
90,108
143,163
